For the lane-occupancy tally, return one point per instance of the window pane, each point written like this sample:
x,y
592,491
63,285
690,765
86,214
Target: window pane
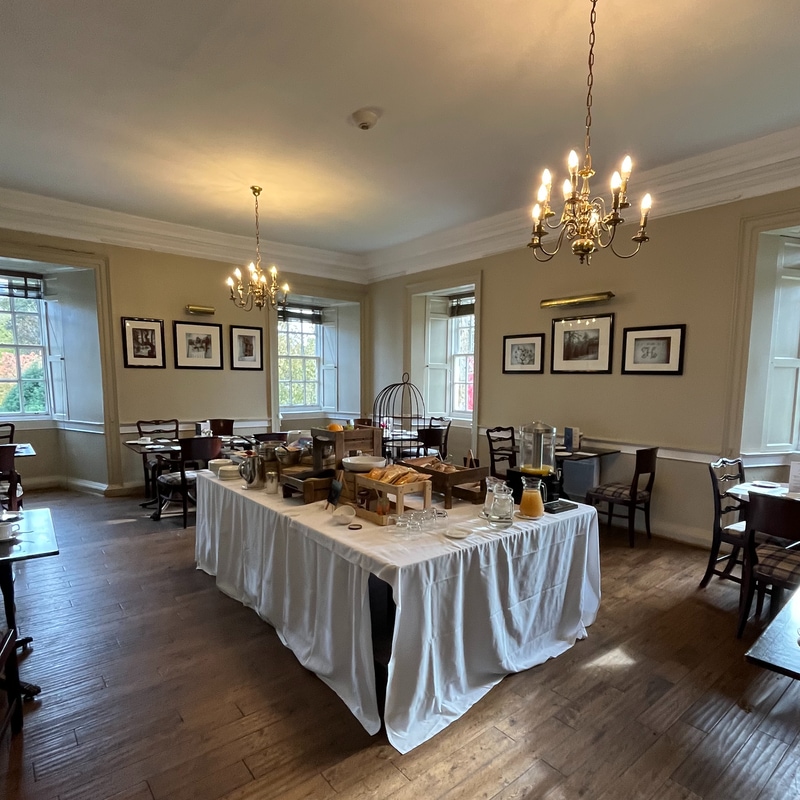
x,y
283,369
283,394
29,331
33,397
6,329
311,370
9,398
8,364
297,369
311,399
31,362
5,303
298,396
310,347
25,304
295,344
283,347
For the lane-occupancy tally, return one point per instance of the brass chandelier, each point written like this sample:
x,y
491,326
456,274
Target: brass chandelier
x,y
584,220
260,289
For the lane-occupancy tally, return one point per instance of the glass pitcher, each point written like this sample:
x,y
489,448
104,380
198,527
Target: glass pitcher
x,y
491,482
534,495
502,509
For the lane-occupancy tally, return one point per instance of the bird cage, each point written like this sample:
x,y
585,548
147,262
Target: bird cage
x,y
400,410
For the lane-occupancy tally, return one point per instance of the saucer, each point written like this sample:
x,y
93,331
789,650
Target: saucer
x,y
765,484
525,516
456,533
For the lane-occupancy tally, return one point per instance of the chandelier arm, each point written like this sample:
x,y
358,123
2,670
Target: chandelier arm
x,y
626,255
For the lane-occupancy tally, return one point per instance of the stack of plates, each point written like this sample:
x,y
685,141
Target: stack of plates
x,y
228,472
217,463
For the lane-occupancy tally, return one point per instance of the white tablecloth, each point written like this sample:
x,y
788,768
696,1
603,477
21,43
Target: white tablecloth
x,y
469,611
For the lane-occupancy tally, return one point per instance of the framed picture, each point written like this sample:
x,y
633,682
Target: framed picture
x,y
582,344
197,345
143,342
523,353
246,347
653,351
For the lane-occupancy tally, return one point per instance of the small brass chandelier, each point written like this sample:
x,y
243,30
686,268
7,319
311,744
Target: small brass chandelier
x,y
584,220
260,288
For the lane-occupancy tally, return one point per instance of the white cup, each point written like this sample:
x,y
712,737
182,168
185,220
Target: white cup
x,y
144,440
8,530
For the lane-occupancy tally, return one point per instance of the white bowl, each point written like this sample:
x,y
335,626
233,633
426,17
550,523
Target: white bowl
x,y
362,463
344,515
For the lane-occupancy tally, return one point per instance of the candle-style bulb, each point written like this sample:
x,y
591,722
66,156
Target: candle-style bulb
x,y
542,195
572,163
536,214
616,182
647,203
238,273
230,281
567,190
547,179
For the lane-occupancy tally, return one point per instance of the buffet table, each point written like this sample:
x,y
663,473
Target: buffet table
x,y
469,611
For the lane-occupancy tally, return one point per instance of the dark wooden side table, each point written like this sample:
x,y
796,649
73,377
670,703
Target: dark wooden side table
x,y
36,538
777,648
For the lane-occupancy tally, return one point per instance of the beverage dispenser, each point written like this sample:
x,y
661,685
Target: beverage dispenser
x,y
537,446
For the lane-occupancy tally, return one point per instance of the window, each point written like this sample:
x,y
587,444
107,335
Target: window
x,y
23,389
299,357
449,354
462,363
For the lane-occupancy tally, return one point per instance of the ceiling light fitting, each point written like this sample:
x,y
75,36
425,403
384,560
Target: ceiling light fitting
x,y
260,288
584,220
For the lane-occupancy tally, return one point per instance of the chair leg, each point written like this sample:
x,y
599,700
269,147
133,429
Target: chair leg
x,y
632,525
775,601
712,562
745,601
647,519
610,513
733,560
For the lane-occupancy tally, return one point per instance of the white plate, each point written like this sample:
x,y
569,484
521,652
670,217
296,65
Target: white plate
x,y
564,453
765,484
456,533
525,516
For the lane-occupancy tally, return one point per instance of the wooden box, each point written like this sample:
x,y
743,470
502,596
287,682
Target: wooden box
x,y
469,482
312,485
368,440
388,490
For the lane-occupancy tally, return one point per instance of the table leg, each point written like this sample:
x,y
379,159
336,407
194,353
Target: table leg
x,y
28,690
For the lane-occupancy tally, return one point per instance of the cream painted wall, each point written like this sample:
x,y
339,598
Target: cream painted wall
x,y
690,272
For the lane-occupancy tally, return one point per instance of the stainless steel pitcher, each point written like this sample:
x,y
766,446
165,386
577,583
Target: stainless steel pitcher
x,y
253,471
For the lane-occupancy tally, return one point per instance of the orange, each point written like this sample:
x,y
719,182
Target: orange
x,y
335,427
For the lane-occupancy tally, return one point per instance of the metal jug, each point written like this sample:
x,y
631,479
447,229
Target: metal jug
x,y
253,471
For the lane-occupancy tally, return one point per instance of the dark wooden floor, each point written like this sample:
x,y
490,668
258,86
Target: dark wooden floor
x,y
157,686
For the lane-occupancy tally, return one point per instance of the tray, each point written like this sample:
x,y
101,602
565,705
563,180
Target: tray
x,y
445,482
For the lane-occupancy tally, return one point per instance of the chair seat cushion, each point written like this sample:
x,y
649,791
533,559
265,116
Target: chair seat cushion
x,y
617,492
778,565
174,478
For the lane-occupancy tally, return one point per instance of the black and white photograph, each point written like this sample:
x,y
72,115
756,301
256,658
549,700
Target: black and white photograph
x,y
143,342
523,353
582,344
246,347
197,345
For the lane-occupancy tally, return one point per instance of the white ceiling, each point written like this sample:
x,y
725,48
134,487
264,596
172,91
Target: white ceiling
x,y
170,110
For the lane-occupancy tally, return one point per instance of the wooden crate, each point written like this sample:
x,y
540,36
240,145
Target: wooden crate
x,y
311,485
470,480
388,490
368,440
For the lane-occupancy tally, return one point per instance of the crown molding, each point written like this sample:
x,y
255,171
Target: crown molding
x,y
21,211
761,166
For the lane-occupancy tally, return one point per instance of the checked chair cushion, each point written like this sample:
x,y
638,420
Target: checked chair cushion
x,y
174,478
778,565
618,491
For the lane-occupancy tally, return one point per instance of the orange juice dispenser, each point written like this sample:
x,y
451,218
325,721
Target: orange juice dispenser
x,y
537,449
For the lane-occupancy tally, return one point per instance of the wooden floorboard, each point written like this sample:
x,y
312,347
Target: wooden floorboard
x,y
156,686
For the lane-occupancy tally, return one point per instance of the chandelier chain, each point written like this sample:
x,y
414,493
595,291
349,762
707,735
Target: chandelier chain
x,y
590,85
257,191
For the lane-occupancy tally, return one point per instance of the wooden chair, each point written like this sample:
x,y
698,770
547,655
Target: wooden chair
x,y
10,683
502,448
221,427
769,566
10,482
633,495
432,439
7,432
154,464
725,474
196,452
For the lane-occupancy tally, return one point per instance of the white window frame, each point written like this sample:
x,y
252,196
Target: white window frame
x,y
454,355
283,334
41,313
